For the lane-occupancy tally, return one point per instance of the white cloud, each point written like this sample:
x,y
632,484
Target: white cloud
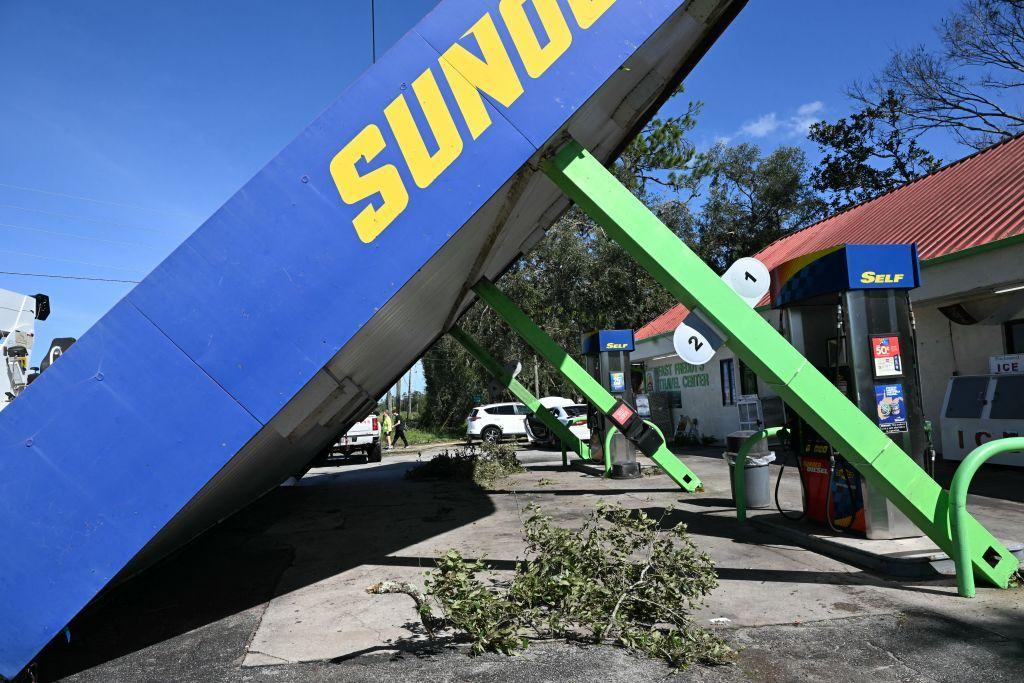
x,y
806,116
810,108
795,125
762,127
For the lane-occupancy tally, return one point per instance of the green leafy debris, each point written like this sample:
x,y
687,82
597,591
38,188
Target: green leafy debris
x,y
621,578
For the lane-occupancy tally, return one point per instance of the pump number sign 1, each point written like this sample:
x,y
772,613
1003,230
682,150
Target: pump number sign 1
x,y
885,352
696,340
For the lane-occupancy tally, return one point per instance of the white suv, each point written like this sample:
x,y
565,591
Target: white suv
x,y
496,421
570,413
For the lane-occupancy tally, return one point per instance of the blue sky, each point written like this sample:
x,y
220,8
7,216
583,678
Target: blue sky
x,y
124,124
784,64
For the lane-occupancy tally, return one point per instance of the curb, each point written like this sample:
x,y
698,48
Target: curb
x,y
923,566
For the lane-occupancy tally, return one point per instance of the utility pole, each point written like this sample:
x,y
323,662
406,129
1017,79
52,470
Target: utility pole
x,y
408,415
536,376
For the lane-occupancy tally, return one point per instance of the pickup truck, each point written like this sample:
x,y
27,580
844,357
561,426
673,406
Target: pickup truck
x,y
363,436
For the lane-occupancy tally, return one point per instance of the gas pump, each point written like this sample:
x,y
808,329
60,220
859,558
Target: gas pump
x,y
847,310
606,353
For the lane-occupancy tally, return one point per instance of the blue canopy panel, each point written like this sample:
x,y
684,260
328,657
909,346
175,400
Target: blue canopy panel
x,y
806,278
273,328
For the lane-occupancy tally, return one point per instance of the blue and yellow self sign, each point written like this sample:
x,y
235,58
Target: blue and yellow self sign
x,y
600,341
845,267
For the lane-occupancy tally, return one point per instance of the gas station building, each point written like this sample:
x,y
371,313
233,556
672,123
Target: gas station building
x,y
967,221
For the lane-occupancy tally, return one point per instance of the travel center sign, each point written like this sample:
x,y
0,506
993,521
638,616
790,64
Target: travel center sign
x,y
674,376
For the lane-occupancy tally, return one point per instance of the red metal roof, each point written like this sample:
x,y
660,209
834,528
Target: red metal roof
x,y
971,202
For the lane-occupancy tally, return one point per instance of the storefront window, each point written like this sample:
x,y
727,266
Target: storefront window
x,y
748,381
726,368
1014,331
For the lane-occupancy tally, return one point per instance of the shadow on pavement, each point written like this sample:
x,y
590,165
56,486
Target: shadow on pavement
x,y
331,522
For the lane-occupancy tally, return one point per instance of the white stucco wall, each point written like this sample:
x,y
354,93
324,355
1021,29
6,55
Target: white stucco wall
x,y
700,391
944,348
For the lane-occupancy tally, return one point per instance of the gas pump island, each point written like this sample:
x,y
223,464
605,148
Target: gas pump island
x,y
607,360
847,310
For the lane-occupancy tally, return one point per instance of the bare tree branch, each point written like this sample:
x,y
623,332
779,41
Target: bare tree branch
x,y
970,86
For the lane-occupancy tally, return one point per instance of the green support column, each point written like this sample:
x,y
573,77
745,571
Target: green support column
x,y
548,349
764,350
568,439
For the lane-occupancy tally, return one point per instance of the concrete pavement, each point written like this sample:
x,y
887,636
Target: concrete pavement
x,y
278,592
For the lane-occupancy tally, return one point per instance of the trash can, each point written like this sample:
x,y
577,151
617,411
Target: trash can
x,y
757,481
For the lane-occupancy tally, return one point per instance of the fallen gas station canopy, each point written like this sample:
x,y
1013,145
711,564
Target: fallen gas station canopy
x,y
282,318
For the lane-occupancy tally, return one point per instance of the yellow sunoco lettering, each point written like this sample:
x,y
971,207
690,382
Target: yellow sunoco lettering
x,y
468,75
867,277
589,11
424,166
384,181
537,58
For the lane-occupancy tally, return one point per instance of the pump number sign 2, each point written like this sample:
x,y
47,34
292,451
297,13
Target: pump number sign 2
x,y
696,340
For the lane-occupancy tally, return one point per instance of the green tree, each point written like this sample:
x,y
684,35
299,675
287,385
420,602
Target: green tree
x,y
752,200
659,159
867,154
575,280
452,379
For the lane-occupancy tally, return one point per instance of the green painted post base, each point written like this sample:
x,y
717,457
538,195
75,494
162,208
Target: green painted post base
x,y
959,517
664,458
523,394
548,349
767,353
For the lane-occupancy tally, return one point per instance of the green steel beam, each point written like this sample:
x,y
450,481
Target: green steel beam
x,y
568,439
739,469
549,350
958,493
880,461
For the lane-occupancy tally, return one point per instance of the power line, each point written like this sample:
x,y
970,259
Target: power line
x,y
17,226
100,221
70,277
95,201
66,260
